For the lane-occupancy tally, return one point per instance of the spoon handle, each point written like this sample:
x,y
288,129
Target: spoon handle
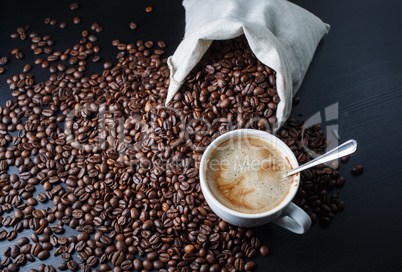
x,y
344,149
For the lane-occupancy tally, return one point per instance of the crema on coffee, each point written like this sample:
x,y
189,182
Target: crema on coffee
x,y
248,175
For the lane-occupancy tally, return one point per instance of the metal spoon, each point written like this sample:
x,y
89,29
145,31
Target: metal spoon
x,y
344,149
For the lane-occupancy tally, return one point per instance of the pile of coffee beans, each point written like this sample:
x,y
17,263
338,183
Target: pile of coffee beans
x,y
230,88
112,162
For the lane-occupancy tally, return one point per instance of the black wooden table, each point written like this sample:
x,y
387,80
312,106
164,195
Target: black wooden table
x,y
357,68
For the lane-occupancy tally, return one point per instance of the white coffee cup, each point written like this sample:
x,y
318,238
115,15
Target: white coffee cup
x,y
286,214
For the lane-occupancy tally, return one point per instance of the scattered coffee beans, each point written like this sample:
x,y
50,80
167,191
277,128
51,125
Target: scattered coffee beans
x,y
313,195
121,168
157,194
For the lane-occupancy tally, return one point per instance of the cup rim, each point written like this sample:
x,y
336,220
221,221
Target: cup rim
x,y
263,135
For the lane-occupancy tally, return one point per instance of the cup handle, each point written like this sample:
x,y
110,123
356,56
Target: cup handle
x,y
294,219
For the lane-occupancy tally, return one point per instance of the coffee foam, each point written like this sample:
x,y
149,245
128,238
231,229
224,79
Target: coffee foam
x,y
248,175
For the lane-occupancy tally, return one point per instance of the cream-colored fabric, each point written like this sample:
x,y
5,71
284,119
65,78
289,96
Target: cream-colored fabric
x,y
281,34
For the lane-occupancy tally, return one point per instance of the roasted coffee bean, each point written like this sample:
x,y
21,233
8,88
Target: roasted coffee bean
x,y
36,249
147,264
161,44
57,229
94,26
43,255
76,20
15,251
96,58
65,257
47,246
249,266
158,265
295,101
3,60
264,251
357,170
345,159
20,259
41,197
92,261
137,264
29,257
23,241
19,55
26,248
12,267
107,65
72,265
164,257
92,38
239,264
11,235
117,258
45,64
74,6
49,268
341,205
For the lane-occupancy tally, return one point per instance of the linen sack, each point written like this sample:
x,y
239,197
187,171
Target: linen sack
x,y
281,34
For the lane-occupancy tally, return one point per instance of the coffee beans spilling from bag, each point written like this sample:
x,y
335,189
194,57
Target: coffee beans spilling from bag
x,y
230,82
103,155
